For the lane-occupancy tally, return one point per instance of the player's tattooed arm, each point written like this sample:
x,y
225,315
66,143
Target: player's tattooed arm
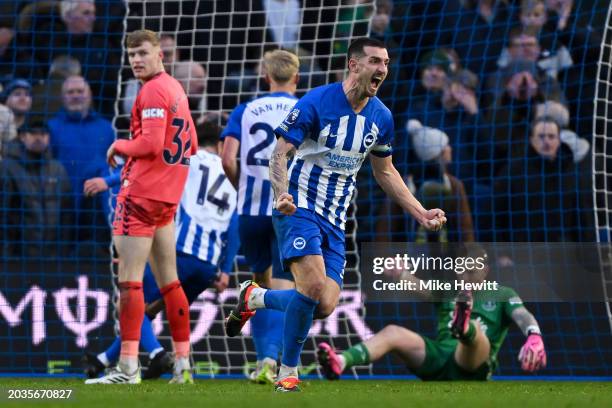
x,y
525,321
283,151
391,182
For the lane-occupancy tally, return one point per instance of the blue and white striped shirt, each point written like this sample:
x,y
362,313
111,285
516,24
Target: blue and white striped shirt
x,y
332,142
206,223
253,124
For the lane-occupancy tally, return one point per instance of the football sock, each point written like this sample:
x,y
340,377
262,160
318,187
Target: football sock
x,y
177,312
278,299
287,371
259,331
297,324
148,341
131,314
131,310
274,339
468,337
356,355
128,360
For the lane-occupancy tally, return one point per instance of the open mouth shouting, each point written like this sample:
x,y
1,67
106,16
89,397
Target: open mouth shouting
x,y
375,82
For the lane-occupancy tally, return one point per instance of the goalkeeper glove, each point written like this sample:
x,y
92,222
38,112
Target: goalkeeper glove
x,y
532,355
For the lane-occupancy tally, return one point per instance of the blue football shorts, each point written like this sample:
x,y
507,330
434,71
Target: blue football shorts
x,y
259,246
195,275
307,233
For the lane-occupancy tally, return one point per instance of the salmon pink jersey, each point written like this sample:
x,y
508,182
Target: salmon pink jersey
x,y
163,140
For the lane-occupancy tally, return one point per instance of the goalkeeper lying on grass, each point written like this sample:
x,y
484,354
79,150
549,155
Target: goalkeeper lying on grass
x,y
471,330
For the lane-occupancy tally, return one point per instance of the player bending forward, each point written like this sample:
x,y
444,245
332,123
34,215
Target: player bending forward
x,y
251,129
206,245
152,182
329,133
471,331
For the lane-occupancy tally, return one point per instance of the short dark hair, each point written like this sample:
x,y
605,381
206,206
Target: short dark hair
x,y
208,133
357,46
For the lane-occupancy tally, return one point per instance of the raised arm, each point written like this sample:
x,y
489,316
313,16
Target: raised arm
x,y
283,151
391,182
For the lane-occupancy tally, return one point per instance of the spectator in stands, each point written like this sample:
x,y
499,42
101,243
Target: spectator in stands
x,y
47,95
192,77
35,205
283,19
560,114
66,27
380,29
13,62
516,89
435,67
425,103
525,43
8,131
571,24
171,55
536,195
455,111
17,96
80,138
433,183
477,30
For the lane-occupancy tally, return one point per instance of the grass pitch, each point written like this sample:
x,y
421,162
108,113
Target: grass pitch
x,y
318,394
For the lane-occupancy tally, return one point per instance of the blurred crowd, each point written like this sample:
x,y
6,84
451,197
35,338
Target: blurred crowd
x,y
493,103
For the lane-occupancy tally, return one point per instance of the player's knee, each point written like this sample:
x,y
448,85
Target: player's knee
x,y
394,331
314,287
324,309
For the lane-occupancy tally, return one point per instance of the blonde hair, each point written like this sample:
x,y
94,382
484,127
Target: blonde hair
x,y
136,38
281,65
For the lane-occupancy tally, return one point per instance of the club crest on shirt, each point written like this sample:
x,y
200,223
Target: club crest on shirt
x,y
489,306
175,105
368,140
299,243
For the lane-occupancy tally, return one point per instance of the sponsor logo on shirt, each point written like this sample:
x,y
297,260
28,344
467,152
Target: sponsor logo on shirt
x,y
151,113
338,161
